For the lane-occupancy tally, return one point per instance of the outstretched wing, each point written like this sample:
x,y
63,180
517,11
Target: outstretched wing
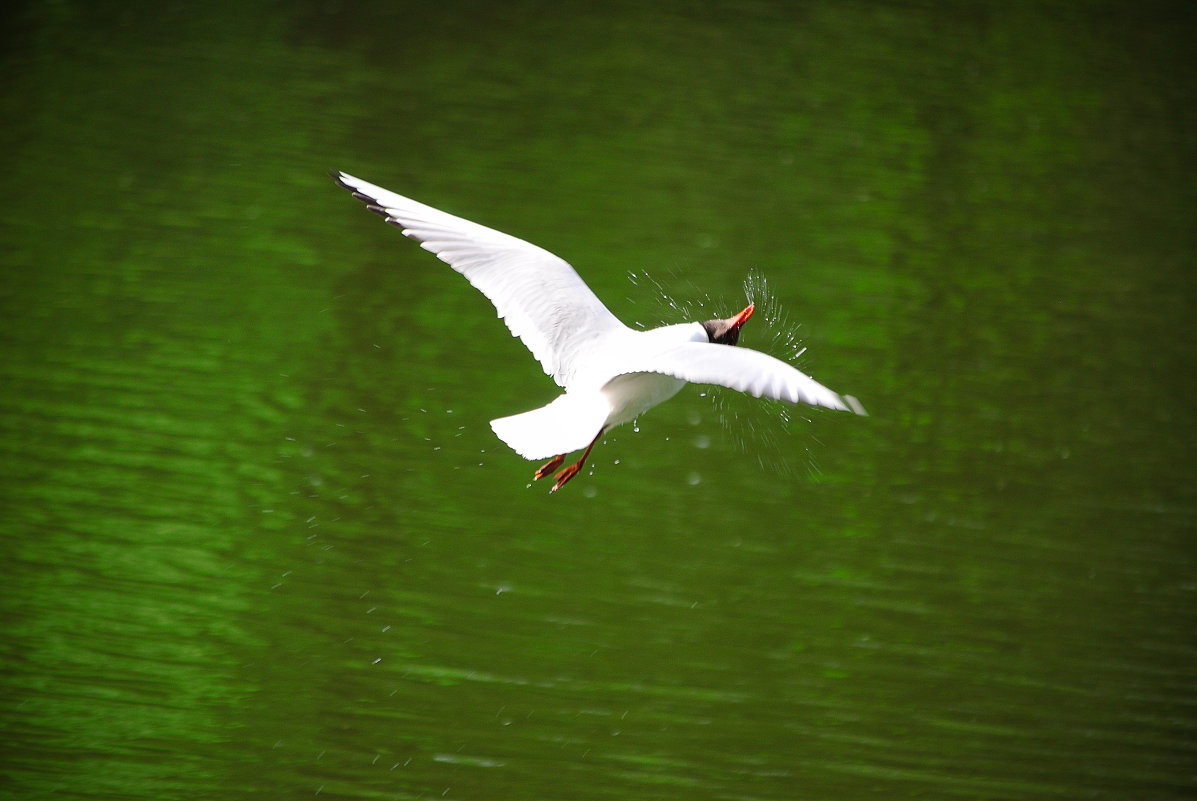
x,y
540,297
742,369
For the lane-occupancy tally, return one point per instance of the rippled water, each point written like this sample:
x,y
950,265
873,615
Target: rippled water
x,y
259,541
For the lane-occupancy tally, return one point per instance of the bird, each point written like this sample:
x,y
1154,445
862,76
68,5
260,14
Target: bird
x,y
610,373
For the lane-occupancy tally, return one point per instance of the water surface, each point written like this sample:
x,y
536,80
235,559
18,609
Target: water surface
x,y
259,540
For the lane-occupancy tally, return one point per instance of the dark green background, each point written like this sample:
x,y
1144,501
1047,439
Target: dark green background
x,y
258,540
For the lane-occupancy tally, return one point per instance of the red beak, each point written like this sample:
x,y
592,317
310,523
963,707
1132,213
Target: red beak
x,y
743,316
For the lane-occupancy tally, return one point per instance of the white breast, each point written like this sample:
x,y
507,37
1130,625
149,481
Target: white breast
x,y
633,394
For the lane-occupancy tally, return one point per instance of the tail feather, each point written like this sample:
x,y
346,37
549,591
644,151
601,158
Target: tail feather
x,y
567,424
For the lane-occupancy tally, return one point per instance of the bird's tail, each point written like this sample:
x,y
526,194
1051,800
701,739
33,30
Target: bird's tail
x,y
567,424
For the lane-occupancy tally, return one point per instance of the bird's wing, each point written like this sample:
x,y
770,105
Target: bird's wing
x,y
540,297
742,369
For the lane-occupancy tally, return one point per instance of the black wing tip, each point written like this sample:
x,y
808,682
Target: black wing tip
x,y
370,201
371,204
340,177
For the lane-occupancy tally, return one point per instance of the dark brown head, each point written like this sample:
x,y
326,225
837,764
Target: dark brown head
x,y
727,332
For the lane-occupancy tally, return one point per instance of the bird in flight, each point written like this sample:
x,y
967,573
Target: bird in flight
x,y
610,373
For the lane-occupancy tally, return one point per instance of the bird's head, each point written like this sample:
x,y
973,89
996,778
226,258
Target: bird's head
x,y
727,332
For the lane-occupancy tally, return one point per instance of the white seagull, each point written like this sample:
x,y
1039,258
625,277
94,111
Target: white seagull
x,y
611,374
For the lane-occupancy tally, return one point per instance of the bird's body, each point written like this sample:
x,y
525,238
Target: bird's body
x,y
610,373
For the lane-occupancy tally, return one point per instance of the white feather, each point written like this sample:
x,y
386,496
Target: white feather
x,y
567,424
742,369
541,298
610,372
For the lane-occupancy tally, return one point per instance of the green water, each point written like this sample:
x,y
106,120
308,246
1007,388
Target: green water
x,y
259,541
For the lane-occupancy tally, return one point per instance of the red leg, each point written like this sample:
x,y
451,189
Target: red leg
x,y
571,471
548,467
